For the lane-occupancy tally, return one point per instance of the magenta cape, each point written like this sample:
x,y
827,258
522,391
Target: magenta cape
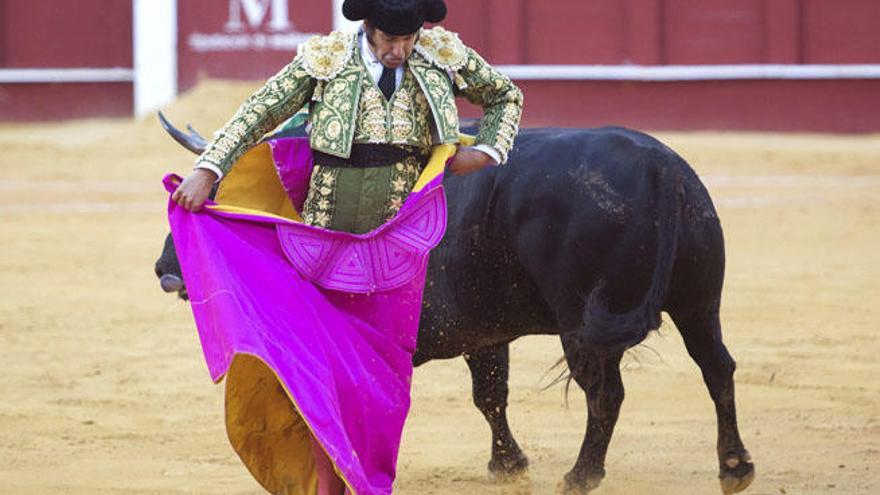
x,y
314,330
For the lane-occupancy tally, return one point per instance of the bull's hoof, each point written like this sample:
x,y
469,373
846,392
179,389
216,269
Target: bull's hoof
x,y
508,468
580,484
737,472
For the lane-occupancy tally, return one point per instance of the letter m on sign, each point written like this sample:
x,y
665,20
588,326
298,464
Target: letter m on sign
x,y
255,12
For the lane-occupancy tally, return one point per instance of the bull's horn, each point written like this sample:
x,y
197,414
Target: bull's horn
x,y
195,133
192,141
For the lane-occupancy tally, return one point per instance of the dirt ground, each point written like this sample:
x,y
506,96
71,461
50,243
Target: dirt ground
x,y
104,390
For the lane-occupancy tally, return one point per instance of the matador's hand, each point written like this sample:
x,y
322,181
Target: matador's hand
x,y
469,160
194,190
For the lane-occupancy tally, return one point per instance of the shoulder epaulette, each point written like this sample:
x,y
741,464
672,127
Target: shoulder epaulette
x,y
324,57
442,48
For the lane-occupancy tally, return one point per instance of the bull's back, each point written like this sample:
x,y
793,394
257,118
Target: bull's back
x,y
526,241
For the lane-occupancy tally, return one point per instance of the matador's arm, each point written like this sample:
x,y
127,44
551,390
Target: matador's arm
x,y
501,100
281,96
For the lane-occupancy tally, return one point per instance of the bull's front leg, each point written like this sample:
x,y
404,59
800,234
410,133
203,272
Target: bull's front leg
x,y
490,368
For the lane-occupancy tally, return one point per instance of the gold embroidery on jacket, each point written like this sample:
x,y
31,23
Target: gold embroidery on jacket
x,y
442,48
403,178
501,100
320,202
324,57
404,120
279,98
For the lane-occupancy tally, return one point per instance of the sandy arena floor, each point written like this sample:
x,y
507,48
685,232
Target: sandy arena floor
x,y
105,391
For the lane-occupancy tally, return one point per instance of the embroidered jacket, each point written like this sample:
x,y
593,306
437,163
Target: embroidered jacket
x,y
328,72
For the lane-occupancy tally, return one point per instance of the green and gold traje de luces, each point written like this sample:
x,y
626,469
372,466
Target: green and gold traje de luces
x,y
347,107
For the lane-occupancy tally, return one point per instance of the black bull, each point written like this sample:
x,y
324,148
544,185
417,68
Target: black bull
x,y
585,234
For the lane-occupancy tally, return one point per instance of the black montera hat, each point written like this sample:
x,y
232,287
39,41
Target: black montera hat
x,y
397,17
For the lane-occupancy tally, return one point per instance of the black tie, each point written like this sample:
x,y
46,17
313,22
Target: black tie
x,y
387,82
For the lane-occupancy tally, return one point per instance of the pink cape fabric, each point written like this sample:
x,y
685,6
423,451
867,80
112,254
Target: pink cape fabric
x,y
334,315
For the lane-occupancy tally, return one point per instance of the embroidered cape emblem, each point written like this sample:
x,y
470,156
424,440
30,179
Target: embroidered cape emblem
x,y
442,48
324,57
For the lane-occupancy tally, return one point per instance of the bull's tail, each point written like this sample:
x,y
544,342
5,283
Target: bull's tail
x,y
605,332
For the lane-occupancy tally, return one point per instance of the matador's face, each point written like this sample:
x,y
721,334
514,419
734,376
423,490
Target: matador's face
x,y
392,50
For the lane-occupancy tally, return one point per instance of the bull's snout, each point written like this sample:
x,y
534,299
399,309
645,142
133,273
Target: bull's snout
x,y
171,283
167,270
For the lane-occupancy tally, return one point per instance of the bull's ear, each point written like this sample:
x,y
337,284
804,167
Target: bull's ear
x,y
192,141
